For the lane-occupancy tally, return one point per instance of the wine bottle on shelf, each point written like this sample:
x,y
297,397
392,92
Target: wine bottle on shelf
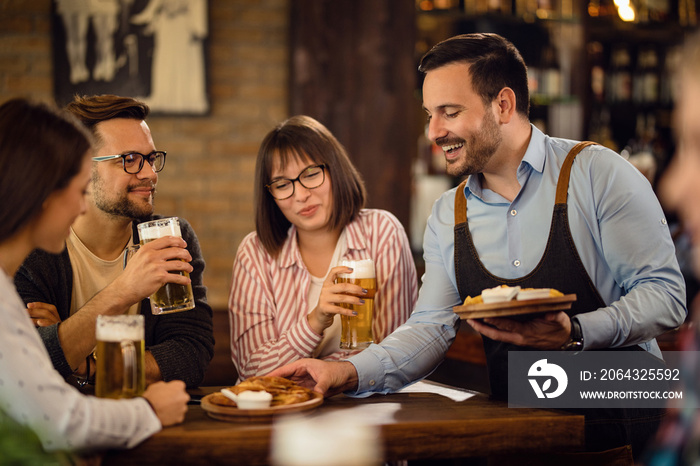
x,y
659,11
646,79
667,90
526,9
687,14
607,137
534,74
651,77
551,82
548,9
621,76
642,11
638,78
595,57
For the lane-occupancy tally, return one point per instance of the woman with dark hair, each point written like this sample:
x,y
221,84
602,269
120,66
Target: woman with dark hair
x,y
309,199
45,160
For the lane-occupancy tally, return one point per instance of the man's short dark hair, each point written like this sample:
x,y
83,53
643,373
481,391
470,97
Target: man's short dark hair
x,y
91,110
494,63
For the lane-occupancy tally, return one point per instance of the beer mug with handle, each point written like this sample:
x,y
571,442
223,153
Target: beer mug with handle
x,y
171,297
120,355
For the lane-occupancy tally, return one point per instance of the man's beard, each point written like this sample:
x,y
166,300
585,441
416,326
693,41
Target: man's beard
x,y
478,151
121,206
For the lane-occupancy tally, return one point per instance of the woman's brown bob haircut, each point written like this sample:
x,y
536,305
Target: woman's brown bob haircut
x,y
41,150
303,138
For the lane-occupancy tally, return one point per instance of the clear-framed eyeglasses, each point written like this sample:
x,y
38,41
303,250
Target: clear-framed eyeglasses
x,y
133,161
310,178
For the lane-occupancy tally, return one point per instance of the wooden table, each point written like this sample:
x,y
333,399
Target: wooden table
x,y
425,426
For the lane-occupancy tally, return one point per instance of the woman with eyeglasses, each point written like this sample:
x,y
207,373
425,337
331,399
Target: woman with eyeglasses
x,y
44,173
309,198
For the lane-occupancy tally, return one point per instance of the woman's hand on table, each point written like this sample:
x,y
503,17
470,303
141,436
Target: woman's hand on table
x,y
168,400
332,295
327,378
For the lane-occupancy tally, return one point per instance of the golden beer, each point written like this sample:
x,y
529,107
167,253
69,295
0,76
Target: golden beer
x,y
120,356
171,297
356,331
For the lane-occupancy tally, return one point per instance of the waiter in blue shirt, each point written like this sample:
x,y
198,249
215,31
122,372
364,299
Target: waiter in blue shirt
x,y
535,211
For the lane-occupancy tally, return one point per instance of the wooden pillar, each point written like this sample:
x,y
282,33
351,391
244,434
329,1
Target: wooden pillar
x,y
353,69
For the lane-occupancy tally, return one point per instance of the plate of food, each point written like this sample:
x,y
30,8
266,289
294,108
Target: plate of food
x,y
287,397
505,301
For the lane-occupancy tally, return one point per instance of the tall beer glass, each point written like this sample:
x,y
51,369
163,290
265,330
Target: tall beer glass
x,y
171,297
356,331
120,355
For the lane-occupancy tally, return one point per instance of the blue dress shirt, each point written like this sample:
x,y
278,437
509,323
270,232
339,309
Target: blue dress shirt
x,y
619,230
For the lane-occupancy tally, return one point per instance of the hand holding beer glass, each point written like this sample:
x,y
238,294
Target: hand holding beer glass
x,y
171,297
356,331
120,356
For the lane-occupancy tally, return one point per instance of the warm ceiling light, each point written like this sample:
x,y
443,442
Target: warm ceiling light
x,y
626,13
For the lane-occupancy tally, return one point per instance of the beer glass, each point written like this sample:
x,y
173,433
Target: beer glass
x,y
120,355
171,297
356,331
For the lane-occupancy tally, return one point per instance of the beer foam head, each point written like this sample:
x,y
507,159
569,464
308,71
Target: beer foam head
x,y
158,228
120,328
361,268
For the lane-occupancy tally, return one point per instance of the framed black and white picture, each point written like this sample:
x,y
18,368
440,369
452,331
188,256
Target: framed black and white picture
x,y
153,50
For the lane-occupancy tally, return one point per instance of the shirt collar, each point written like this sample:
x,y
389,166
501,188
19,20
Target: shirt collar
x,y
356,234
534,157
535,153
290,254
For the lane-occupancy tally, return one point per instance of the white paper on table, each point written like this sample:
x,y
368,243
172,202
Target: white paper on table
x,y
383,413
425,387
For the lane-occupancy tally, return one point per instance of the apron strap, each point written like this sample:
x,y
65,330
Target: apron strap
x,y
460,204
563,183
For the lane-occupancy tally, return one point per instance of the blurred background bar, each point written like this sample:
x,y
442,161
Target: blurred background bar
x,y
599,71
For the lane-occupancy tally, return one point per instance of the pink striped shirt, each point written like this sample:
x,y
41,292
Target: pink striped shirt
x,y
268,301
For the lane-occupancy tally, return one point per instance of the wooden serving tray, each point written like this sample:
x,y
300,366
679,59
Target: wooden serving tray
x,y
514,307
233,414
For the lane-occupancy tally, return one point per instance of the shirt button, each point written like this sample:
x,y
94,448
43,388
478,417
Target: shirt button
x,y
663,221
516,263
371,383
513,213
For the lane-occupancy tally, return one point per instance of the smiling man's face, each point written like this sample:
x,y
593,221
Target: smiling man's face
x,y
112,190
459,122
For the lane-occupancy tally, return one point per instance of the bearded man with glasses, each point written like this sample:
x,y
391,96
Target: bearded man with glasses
x,y
65,293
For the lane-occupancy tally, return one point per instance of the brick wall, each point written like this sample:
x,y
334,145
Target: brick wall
x,y
211,159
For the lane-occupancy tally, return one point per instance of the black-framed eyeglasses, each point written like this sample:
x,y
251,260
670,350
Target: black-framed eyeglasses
x,y
310,178
133,161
